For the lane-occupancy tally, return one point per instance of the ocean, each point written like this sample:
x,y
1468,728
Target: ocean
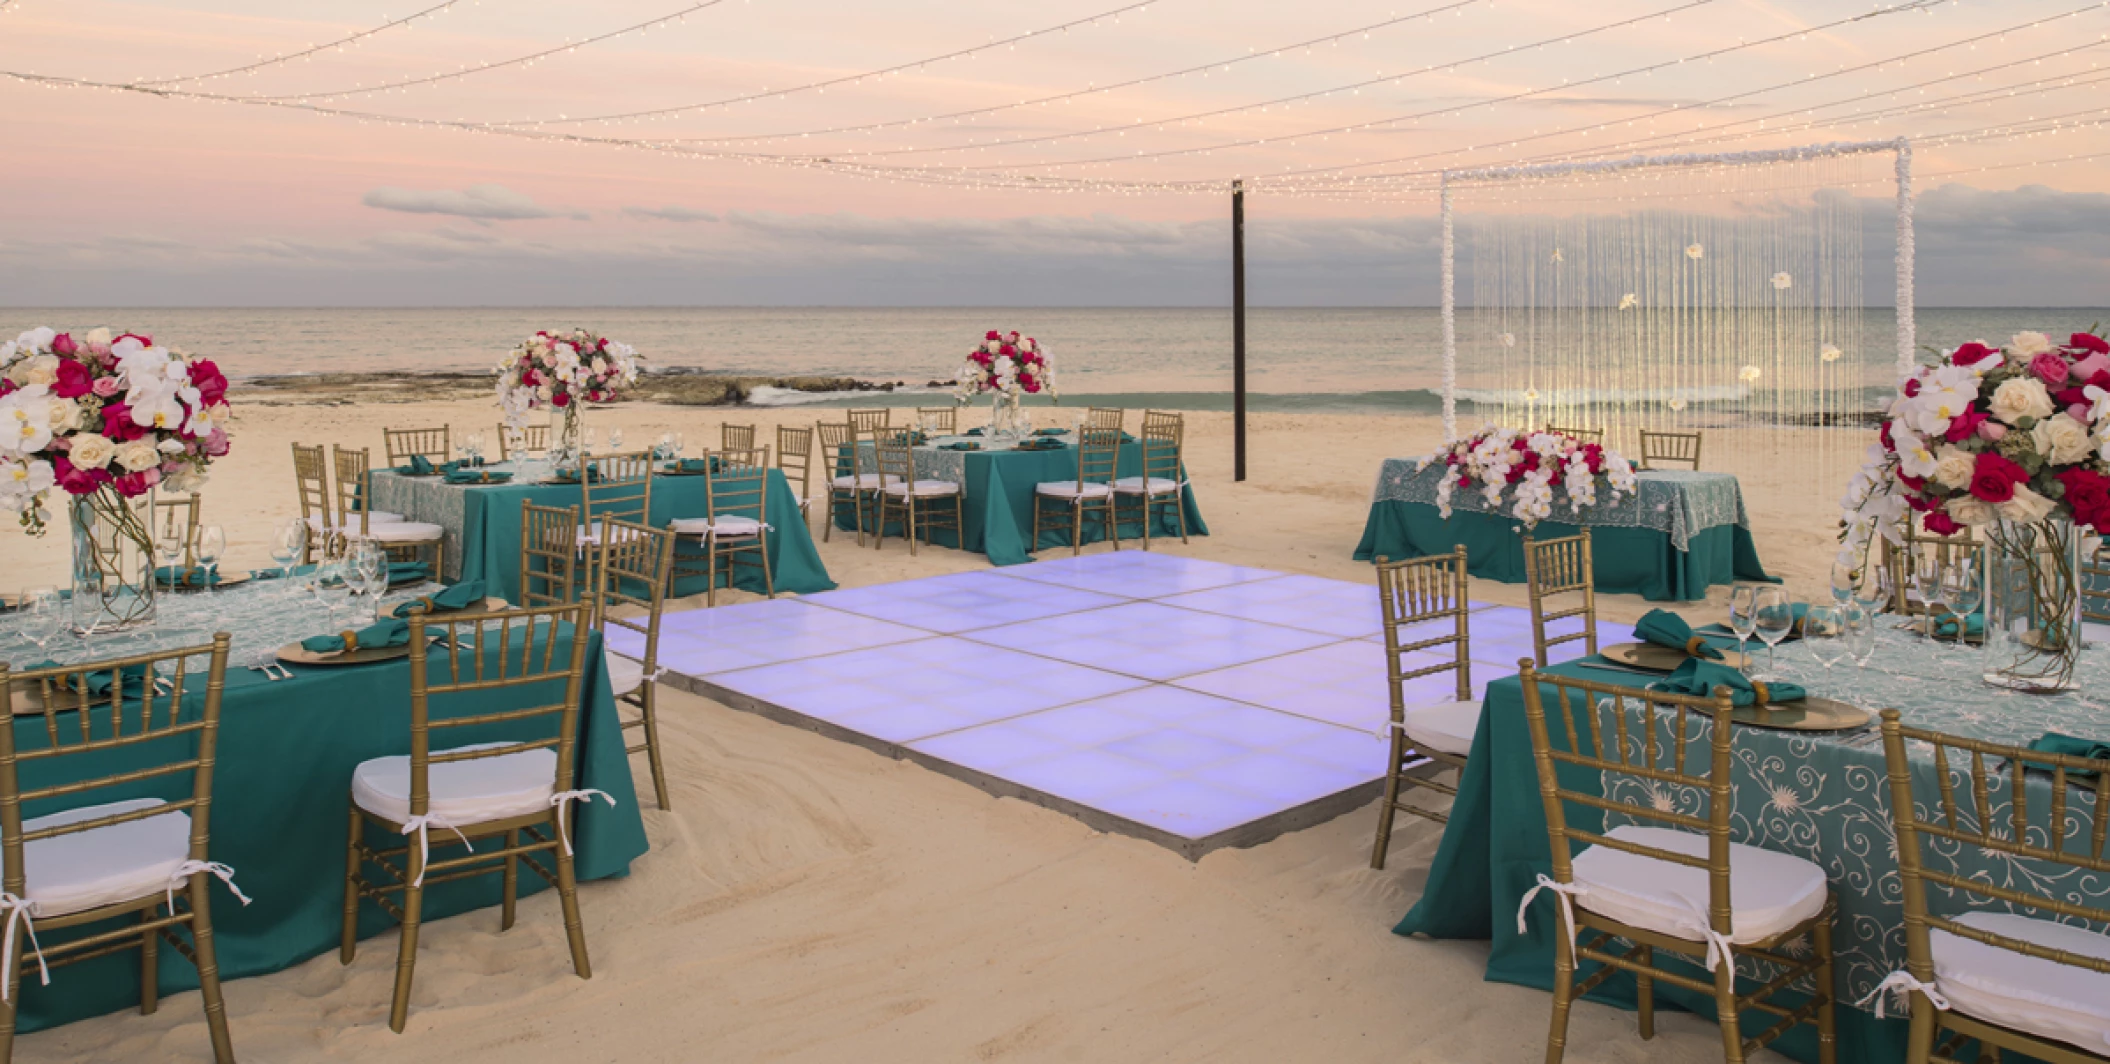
x,y
1371,359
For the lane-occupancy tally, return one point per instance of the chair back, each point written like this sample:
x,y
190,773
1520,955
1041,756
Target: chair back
x,y
534,440
1595,436
620,489
1651,744
1900,559
177,519
2095,588
945,419
736,437
1163,440
1413,595
1554,567
795,458
1660,447
311,477
2069,835
834,438
745,458
551,649
1098,452
549,553
151,699
738,489
868,421
634,563
435,444
1105,417
353,488
896,456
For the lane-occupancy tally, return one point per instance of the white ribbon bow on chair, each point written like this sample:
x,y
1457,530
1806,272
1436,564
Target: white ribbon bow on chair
x,y
1902,980
422,825
187,869
1562,892
562,801
18,917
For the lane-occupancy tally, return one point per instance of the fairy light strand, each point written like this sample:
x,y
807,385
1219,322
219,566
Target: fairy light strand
x,y
339,43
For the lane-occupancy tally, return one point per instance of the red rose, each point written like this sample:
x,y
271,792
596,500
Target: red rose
x,y
2089,342
1972,354
1915,483
1884,435
1941,524
133,485
1028,385
993,335
560,400
74,380
210,382
74,480
1993,478
144,341
118,425
63,344
1963,426
2087,495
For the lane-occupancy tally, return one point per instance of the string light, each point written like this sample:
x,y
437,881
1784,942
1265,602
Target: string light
x,y
338,44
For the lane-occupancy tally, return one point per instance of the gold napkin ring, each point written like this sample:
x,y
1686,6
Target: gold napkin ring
x,y
1764,696
351,640
424,604
1694,646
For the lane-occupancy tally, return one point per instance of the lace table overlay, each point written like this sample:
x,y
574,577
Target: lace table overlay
x,y
435,502
1826,797
1677,503
934,462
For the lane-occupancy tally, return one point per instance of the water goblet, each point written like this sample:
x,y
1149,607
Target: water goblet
x,y
1743,616
368,575
681,447
1845,581
212,546
1860,625
43,613
287,541
615,439
1824,631
587,437
1927,585
1964,589
1774,616
168,548
1873,595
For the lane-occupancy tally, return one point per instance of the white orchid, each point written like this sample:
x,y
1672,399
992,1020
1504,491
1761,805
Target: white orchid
x,y
1694,251
25,420
1782,282
1943,394
25,479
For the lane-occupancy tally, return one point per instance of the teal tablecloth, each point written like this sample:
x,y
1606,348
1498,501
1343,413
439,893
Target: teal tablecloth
x,y
999,503
483,527
1820,796
281,793
1680,534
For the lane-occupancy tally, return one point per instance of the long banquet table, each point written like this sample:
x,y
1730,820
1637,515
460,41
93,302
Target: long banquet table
x,y
1821,796
999,481
483,526
281,791
1679,533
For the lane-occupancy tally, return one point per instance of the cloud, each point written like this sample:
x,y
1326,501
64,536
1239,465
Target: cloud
x,y
671,214
483,203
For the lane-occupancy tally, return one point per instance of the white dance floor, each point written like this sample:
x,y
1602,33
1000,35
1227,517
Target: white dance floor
x,y
1188,702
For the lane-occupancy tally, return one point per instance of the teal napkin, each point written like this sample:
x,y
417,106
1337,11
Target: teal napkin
x,y
1667,629
277,573
392,632
1700,677
1049,432
195,576
408,572
1974,627
960,445
2052,742
975,431
97,682
476,476
697,465
1041,445
418,466
459,597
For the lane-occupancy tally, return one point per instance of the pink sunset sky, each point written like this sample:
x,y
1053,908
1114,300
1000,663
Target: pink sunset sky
x,y
284,185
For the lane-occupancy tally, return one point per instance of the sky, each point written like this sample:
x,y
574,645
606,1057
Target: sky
x,y
780,169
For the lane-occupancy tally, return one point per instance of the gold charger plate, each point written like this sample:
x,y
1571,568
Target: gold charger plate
x,y
1919,625
225,581
1661,659
683,473
493,604
1809,714
295,654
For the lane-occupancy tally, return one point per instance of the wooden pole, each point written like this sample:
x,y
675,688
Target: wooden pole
x,y
1238,330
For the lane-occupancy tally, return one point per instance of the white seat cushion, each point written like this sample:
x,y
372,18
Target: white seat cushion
x,y
624,675
858,482
462,792
1068,489
590,536
1156,486
726,526
1446,726
100,866
922,488
378,517
1768,892
406,532
2026,993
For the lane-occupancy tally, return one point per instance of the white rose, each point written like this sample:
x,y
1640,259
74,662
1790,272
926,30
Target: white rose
x,y
2026,345
97,338
1953,466
2062,439
91,450
138,455
1972,510
2027,506
170,446
65,415
2019,398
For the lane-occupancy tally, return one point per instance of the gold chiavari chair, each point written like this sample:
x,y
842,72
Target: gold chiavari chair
x,y
534,441
1595,436
1164,477
1098,452
618,488
852,478
515,791
920,504
403,540
436,444
944,419
317,507
1900,559
1684,888
549,554
736,437
177,519
870,420
634,569
2008,981
117,863
1105,417
1560,567
1660,447
2095,588
795,461
1415,596
734,530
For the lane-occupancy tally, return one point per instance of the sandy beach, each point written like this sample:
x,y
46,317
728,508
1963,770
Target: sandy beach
x,y
810,900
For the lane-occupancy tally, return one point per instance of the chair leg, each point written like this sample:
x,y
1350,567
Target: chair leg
x,y
1563,987
348,943
652,758
911,511
1076,527
1827,1021
510,900
568,892
1919,1044
209,968
1179,507
835,503
1726,1011
1645,990
1034,544
1149,514
7,1004
149,964
407,949
1390,805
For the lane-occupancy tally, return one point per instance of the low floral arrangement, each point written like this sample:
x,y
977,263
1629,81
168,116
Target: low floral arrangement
x,y
1496,458
104,420
1008,364
561,370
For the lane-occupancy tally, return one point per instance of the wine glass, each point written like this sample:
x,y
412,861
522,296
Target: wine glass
x,y
586,441
286,543
1774,616
212,546
1927,584
1845,581
1964,589
1860,624
1874,594
680,446
1743,617
369,573
615,439
168,549
1824,631
43,613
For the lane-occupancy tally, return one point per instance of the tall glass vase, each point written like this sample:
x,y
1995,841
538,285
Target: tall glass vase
x,y
2033,604
565,446
1003,415
113,561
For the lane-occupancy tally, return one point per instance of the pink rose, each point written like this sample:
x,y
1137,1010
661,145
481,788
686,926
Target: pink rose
x,y
63,344
1992,430
216,442
2087,368
106,386
2050,367
2078,412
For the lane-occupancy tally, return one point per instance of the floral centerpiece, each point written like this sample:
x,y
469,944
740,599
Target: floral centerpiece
x,y
561,372
2012,442
1494,459
106,421
1007,367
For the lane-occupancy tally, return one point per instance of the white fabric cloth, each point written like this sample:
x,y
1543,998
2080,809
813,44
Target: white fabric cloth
x,y
2042,997
1768,892
18,923
378,517
624,674
590,536
922,488
1069,489
100,866
181,878
1445,726
1901,980
725,526
856,482
561,801
406,532
1155,486
461,792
